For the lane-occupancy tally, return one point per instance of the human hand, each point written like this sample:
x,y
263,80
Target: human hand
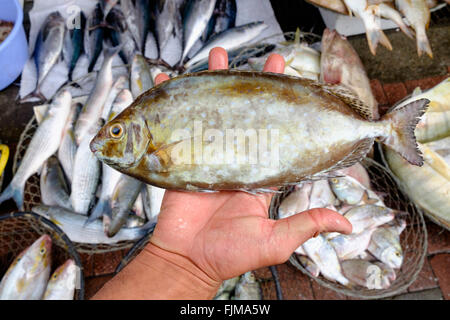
x,y
228,233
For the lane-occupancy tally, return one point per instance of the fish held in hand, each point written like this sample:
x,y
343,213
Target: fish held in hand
x,y
154,139
26,278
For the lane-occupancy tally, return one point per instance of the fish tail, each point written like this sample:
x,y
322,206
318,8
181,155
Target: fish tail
x,y
102,207
375,36
14,192
423,45
403,122
35,94
110,52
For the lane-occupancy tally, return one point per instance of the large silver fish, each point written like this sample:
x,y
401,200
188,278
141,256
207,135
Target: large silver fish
x,y
53,187
86,174
75,227
195,20
154,139
229,39
26,278
62,283
44,143
93,108
48,48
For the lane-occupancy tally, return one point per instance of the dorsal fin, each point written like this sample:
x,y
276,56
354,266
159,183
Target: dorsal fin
x,y
350,98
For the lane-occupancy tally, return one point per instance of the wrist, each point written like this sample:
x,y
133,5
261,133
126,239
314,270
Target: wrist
x,y
184,279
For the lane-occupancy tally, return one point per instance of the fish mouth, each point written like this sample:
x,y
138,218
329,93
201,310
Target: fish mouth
x,y
94,146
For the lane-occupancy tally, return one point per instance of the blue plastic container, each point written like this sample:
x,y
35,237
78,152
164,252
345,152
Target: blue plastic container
x,y
14,50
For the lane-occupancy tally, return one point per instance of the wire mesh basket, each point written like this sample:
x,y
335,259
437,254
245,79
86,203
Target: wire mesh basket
x,y
413,239
32,194
18,230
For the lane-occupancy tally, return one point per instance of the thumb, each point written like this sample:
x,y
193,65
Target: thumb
x,y
291,232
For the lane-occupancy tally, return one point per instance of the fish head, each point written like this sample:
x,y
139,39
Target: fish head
x,y
63,271
393,257
123,141
39,254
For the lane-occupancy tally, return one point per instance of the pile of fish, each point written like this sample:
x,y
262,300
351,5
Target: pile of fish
x,y
28,277
415,12
244,287
173,34
371,254
429,186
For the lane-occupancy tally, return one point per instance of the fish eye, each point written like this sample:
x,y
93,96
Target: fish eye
x,y
55,276
116,130
42,251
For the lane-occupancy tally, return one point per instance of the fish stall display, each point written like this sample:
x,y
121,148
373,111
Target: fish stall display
x,y
416,13
29,276
371,255
429,186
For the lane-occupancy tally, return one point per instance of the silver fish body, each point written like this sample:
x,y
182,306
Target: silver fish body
x,y
53,186
385,246
352,245
320,251
125,194
86,174
248,288
309,265
168,23
321,195
364,273
141,78
153,201
120,84
75,227
68,147
45,142
347,190
62,283
93,108
198,13
368,216
26,278
132,21
229,39
49,45
295,202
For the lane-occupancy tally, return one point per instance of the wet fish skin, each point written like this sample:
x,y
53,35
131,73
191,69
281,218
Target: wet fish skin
x,y
363,273
340,64
347,190
86,174
130,13
107,6
296,202
121,83
48,47
195,20
223,18
385,246
309,265
248,288
357,172
324,256
352,245
68,147
26,278
168,22
74,45
228,286
229,40
321,195
153,201
93,108
75,227
368,216
374,32
61,285
141,78
53,186
418,15
307,105
125,194
45,142
93,36
143,20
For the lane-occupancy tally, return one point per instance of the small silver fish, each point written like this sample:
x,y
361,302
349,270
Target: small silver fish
x,y
385,246
321,195
74,225
309,265
320,251
363,273
53,186
141,78
368,216
62,283
296,202
349,190
26,278
352,245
